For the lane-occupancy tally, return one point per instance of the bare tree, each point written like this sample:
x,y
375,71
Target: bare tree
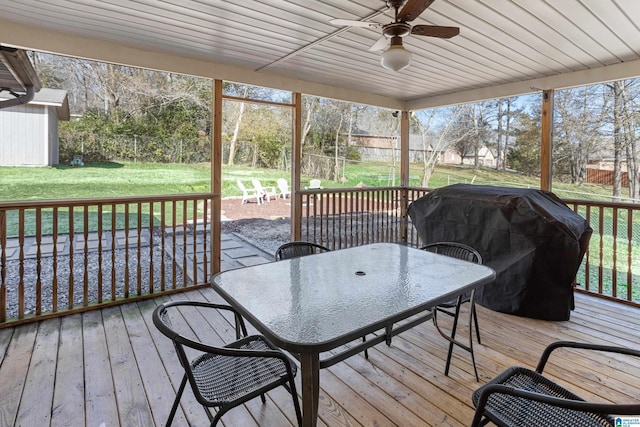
x,y
629,94
436,141
617,87
236,129
504,115
309,105
578,130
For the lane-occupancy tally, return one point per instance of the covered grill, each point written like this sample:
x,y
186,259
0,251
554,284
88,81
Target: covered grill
x,y
533,241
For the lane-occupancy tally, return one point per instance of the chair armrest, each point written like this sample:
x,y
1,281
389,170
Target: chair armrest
x,y
240,327
585,346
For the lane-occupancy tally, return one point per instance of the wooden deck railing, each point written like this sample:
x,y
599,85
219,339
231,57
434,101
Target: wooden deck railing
x,y
344,218
611,268
61,257
65,256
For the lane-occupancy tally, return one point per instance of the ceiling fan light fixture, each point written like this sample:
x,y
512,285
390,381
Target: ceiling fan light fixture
x,y
395,58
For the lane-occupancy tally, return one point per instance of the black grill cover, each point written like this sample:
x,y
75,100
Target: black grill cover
x,y
533,241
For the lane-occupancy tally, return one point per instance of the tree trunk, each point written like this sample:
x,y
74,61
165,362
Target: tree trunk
x,y
426,177
236,130
306,127
632,150
336,165
618,102
499,146
506,135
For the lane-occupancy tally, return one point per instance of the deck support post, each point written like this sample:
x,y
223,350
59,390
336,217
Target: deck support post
x,y
546,167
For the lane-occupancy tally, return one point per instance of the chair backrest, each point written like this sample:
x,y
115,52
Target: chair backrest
x,y
242,187
455,250
315,183
283,185
162,321
298,249
257,185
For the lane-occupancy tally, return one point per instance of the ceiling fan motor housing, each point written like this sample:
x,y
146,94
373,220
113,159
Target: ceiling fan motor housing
x,y
396,29
395,3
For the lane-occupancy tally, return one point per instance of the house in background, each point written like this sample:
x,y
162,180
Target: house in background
x,y
486,157
29,132
379,148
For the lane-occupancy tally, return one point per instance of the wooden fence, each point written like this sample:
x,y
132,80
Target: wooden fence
x,y
62,257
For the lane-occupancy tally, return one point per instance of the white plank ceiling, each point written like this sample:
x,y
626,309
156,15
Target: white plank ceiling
x,y
505,47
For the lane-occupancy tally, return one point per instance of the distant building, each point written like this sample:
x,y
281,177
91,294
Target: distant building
x,y
379,148
486,157
29,132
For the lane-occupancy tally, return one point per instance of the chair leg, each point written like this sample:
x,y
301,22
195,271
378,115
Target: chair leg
x,y
216,417
174,408
475,320
366,350
453,336
472,310
296,404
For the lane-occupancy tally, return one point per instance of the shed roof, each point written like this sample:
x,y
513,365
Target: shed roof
x,y
52,97
55,97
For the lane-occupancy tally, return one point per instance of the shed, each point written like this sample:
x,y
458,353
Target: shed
x,y
29,132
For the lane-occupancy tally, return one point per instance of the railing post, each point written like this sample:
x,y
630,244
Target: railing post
x,y
216,178
296,168
3,266
404,216
404,175
546,169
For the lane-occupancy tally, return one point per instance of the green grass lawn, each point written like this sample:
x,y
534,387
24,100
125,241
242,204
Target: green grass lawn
x,y
110,179
100,180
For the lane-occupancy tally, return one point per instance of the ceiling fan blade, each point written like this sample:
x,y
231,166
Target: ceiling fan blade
x,y
412,9
435,31
349,23
380,44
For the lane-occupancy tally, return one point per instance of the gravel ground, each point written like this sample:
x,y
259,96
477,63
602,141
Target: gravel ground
x,y
63,273
265,234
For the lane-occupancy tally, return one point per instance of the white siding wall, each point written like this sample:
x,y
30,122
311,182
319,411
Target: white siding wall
x,y
23,136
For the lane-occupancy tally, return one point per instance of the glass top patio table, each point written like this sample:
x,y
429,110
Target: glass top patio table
x,y
313,304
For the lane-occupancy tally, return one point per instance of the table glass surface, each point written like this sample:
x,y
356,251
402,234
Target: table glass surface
x,y
318,299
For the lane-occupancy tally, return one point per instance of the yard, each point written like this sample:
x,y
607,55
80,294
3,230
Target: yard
x,y
112,179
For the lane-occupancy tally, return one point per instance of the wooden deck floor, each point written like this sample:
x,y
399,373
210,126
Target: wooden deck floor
x,y
111,367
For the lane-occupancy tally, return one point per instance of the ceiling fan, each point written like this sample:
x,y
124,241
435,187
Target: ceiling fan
x,y
396,57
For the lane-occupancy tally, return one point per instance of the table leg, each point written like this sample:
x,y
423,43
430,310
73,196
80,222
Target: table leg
x,y
310,372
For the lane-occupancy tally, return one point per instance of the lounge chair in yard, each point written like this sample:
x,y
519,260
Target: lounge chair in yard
x,y
283,186
249,193
264,192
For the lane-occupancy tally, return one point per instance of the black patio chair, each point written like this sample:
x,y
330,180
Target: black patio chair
x,y
522,397
452,308
226,377
298,249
